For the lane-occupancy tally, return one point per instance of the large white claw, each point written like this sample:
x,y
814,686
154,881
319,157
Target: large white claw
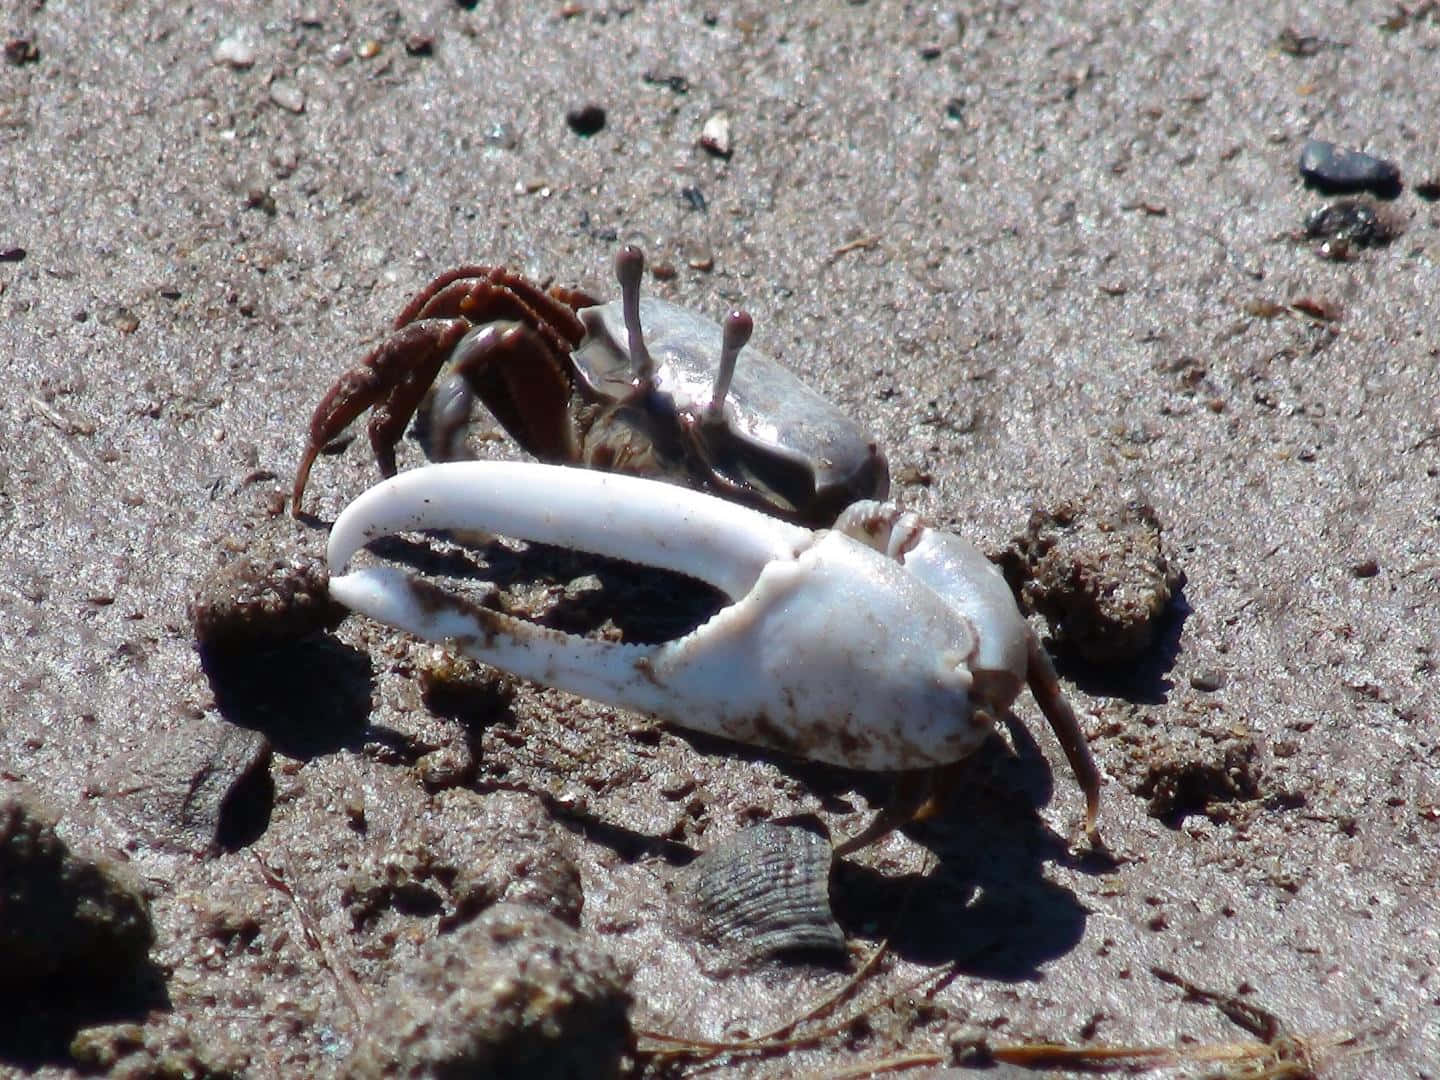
x,y
832,651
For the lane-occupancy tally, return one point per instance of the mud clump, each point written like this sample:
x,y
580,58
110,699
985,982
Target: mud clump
x,y
1102,579
161,1048
258,601
473,852
75,937
65,921
1178,786
514,993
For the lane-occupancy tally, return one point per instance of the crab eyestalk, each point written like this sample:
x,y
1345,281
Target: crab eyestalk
x,y
629,268
738,328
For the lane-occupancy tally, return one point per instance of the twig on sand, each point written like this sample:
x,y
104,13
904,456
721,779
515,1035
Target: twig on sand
x,y
1277,1055
344,978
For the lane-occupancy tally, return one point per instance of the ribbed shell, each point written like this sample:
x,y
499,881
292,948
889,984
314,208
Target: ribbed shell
x,y
766,890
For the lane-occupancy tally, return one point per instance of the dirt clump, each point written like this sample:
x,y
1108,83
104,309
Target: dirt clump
x,y
1102,578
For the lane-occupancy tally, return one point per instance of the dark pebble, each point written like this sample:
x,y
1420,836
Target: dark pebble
x,y
1208,681
678,84
1429,190
12,254
199,787
21,51
1336,170
694,198
1359,222
1293,43
586,120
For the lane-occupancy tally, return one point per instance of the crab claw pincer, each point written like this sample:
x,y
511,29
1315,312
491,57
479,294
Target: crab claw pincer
x,y
831,650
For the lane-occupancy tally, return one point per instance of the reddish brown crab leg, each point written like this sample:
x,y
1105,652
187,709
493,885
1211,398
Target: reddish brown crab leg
x,y
394,378
1045,687
395,374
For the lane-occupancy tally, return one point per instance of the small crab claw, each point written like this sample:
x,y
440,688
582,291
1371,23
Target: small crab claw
x,y
1009,653
831,651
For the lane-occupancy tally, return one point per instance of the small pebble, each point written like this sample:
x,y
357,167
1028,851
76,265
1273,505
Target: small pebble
x,y
699,257
287,95
715,135
1365,568
677,83
1292,42
1317,308
237,49
501,136
1336,170
913,476
123,319
368,50
587,120
259,198
21,51
12,254
1208,681
1356,221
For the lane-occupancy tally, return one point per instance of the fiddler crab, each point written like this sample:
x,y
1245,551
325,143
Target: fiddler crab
x,y
578,382
856,636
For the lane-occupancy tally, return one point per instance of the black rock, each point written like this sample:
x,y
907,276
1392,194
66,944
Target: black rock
x,y
587,120
1336,170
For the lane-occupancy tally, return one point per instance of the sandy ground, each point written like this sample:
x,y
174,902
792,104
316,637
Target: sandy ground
x,y
1046,251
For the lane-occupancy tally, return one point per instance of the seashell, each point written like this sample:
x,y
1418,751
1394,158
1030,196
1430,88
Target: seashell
x,y
766,891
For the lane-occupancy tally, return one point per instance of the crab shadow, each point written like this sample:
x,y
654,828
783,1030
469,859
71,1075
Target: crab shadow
x,y
1144,680
40,1020
984,907
310,697
983,904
